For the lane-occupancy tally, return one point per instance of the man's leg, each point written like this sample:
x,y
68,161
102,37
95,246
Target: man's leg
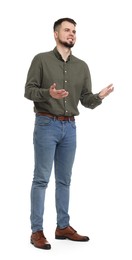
x,y
44,150
64,158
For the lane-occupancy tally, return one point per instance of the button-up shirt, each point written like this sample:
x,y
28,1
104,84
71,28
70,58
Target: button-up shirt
x,y
72,75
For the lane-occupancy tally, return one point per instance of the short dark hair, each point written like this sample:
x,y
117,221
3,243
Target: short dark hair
x,y
58,22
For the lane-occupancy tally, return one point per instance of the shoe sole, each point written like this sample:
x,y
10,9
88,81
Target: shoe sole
x,y
63,237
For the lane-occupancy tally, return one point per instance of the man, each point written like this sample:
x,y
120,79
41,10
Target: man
x,y
56,82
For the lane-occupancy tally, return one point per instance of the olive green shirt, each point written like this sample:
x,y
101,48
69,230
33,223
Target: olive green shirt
x,y
73,76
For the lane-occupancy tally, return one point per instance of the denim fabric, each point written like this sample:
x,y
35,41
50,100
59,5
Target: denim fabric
x,y
54,141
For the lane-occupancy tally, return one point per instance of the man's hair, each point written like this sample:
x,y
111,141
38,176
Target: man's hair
x,y
58,22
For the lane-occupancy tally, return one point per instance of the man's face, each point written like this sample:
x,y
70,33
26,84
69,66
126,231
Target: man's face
x,y
66,34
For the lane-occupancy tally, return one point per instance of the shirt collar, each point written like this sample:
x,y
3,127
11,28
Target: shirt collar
x,y
58,55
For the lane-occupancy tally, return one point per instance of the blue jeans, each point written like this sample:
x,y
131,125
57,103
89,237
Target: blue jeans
x,y
54,141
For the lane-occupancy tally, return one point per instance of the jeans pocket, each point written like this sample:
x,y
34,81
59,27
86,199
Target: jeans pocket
x,y
73,124
43,120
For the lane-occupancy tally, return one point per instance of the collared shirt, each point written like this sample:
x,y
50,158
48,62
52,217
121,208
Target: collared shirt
x,y
73,76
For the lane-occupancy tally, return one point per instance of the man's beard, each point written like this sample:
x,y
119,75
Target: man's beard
x,y
68,45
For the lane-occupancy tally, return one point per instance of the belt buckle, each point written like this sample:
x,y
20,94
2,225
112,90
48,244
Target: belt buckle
x,y
61,118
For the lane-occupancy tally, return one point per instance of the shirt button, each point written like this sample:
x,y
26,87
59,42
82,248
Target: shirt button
x,y
65,81
65,71
66,111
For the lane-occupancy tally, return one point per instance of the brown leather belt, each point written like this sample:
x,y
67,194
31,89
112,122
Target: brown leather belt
x,y
60,118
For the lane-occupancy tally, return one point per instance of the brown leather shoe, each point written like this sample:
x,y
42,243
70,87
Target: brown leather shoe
x,y
38,240
69,233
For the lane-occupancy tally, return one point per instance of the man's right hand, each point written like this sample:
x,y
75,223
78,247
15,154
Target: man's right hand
x,y
58,94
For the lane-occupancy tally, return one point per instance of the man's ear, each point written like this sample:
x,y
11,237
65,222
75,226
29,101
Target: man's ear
x,y
56,34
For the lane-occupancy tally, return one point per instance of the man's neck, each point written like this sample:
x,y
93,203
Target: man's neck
x,y
64,51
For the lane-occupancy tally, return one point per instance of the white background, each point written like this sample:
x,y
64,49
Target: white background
x,y
101,194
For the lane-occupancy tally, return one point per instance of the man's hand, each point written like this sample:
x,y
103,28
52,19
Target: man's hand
x,y
58,94
106,91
